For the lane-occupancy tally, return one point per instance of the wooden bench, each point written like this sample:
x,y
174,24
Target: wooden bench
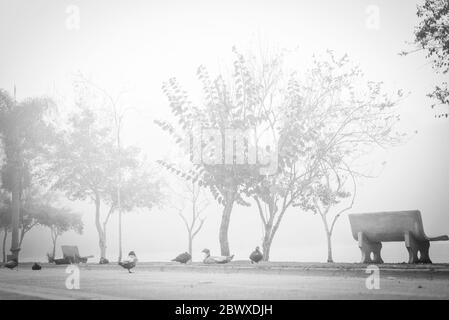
x,y
371,229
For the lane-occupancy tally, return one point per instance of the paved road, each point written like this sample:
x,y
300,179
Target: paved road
x,y
112,282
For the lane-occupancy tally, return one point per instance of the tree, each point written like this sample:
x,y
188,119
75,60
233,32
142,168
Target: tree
x,y
283,119
274,196
5,219
60,220
84,166
26,132
227,105
323,122
352,118
327,193
118,115
139,187
432,36
82,163
331,115
36,204
35,209
194,200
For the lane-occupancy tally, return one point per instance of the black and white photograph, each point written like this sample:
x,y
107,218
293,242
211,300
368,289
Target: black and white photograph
x,y
224,155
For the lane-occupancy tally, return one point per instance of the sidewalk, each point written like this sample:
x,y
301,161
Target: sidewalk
x,y
429,271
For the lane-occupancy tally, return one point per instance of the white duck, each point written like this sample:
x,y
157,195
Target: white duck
x,y
215,259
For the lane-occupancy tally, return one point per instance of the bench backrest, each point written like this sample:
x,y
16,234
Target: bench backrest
x,y
387,226
70,251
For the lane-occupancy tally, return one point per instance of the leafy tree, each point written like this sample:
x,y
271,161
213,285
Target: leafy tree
x,y
82,164
85,167
432,36
36,209
60,220
35,205
25,132
323,121
290,125
226,105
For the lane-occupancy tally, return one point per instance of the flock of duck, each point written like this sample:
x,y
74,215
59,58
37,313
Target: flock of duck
x,y
255,257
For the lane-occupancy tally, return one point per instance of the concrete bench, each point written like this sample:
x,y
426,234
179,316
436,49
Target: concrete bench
x,y
72,255
371,229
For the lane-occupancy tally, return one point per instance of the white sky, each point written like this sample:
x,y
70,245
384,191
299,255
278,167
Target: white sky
x,y
139,44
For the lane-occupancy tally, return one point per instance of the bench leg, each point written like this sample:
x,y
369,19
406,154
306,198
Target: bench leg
x,y
376,253
367,247
424,251
413,247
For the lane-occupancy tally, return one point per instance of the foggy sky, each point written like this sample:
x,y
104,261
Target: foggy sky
x,y
139,44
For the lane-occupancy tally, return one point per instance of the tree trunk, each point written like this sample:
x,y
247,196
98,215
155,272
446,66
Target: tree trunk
x,y
119,233
22,235
190,244
55,239
119,184
270,227
267,238
329,240
266,246
53,253
329,248
105,233
224,226
119,205
15,218
101,234
5,235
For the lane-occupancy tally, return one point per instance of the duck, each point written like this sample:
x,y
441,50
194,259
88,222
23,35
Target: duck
x,y
215,259
12,264
129,263
36,266
183,258
256,256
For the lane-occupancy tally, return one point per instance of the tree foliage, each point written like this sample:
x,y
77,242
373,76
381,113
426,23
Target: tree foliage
x,y
60,221
26,135
432,35
324,121
231,104
84,166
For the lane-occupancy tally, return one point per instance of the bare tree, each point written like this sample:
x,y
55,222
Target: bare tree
x,y
326,196
192,205
324,120
351,119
